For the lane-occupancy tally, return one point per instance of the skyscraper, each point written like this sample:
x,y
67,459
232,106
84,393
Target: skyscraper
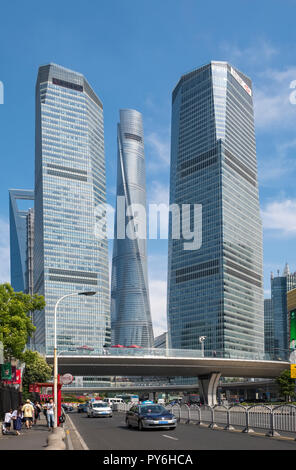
x,y
279,322
69,185
216,291
268,328
21,221
130,306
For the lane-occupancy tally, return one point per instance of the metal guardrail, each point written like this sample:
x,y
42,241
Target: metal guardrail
x,y
270,419
159,352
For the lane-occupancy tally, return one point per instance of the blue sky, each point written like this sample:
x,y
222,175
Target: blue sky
x,y
133,52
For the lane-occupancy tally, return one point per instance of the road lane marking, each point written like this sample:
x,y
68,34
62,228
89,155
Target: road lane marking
x,y
170,437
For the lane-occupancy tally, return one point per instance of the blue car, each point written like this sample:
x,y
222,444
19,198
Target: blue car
x,y
82,408
150,416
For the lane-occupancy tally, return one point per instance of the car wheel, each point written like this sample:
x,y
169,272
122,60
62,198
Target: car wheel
x,y
128,423
140,425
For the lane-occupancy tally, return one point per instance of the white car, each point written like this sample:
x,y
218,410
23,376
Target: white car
x,y
99,408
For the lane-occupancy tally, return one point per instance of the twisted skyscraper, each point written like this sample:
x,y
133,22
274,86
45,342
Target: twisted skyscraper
x,y
130,306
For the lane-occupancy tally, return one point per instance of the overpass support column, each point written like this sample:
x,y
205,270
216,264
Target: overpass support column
x,y
208,385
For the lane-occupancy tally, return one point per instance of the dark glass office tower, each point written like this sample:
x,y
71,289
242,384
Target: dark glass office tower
x,y
130,305
69,188
21,221
280,286
216,291
268,328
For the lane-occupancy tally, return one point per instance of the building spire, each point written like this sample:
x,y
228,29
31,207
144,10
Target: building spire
x,y
286,271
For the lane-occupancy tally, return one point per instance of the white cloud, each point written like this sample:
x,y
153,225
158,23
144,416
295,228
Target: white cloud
x,y
157,193
280,217
158,300
4,251
281,164
257,53
272,105
160,151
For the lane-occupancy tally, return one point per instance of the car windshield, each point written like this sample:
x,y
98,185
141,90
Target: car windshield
x,y
100,405
152,409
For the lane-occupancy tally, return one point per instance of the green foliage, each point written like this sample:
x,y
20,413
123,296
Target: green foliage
x,y
36,370
286,385
15,324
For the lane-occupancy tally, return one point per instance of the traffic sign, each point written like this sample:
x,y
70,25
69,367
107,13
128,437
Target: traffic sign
x,y
293,371
66,379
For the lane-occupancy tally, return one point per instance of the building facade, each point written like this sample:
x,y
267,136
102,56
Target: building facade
x,y
130,305
268,327
280,288
69,257
291,306
216,290
21,222
161,341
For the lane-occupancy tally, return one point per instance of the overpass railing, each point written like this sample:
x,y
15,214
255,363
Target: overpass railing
x,y
159,352
272,420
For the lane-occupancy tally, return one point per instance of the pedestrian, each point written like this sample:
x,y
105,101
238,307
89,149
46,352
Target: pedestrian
x,y
50,414
37,411
7,420
17,417
28,411
44,407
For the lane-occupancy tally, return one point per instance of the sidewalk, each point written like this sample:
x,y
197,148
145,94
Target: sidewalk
x,y
36,437
29,439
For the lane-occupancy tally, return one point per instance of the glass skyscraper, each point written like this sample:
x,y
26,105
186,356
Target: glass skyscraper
x,y
69,186
279,320
216,291
268,327
21,223
130,305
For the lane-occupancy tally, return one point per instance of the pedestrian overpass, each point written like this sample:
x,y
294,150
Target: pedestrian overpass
x,y
169,363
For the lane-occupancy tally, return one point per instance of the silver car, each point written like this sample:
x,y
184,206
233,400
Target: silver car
x,y
99,408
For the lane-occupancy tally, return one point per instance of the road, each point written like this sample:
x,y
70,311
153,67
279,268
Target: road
x,y
113,434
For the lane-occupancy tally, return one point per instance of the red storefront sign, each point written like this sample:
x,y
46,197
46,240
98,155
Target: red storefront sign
x,y
18,377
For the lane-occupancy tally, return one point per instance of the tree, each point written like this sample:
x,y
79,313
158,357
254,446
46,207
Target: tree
x,y
286,385
36,370
16,326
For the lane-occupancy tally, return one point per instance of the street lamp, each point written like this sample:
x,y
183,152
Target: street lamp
x,y
202,339
55,356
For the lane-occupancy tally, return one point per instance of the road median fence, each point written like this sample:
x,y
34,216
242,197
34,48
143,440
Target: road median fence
x,y
272,420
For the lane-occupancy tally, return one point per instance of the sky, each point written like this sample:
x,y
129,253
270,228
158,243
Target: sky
x,y
132,53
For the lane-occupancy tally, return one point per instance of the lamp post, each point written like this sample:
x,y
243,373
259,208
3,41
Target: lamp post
x,y
55,356
202,339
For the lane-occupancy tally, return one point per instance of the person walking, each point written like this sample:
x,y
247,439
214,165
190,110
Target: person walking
x,y
44,409
17,417
7,420
37,411
28,411
50,414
